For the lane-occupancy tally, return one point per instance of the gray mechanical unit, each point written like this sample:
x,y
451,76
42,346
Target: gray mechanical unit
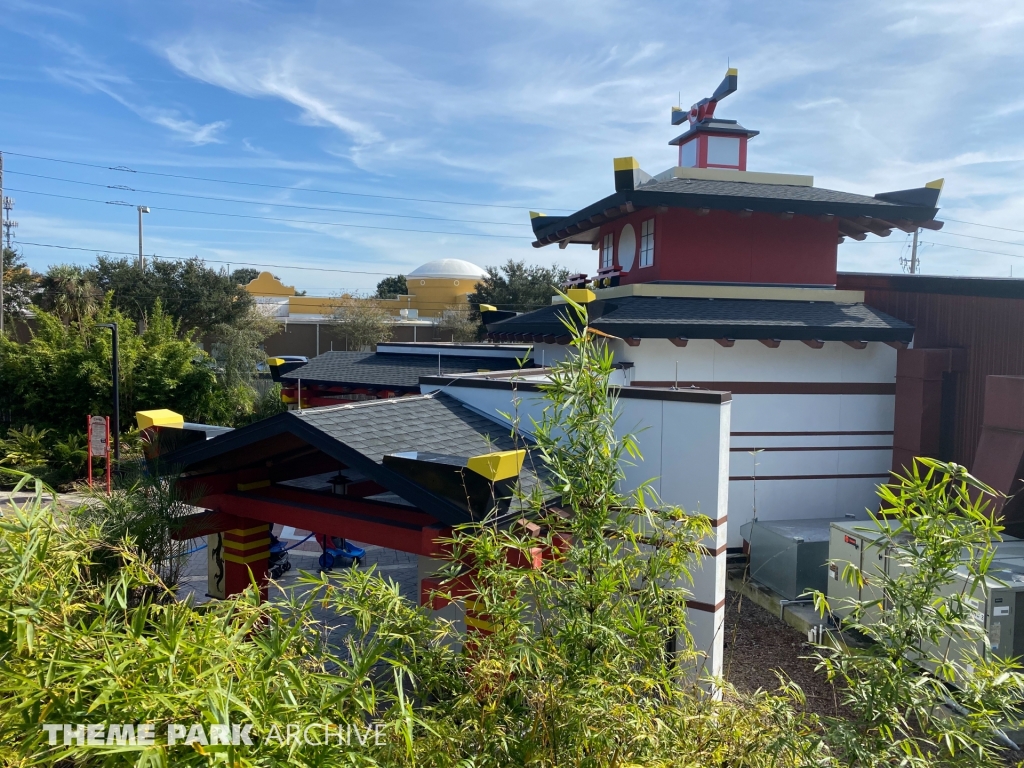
x,y
790,557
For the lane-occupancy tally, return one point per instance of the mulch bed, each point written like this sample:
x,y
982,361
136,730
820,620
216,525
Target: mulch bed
x,y
757,645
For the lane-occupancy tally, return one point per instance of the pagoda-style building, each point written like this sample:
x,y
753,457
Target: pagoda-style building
x,y
712,276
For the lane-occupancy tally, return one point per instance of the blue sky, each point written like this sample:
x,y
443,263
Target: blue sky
x,y
510,105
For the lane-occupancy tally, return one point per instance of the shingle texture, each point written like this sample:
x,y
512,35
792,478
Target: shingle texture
x,y
649,317
765,191
388,370
438,424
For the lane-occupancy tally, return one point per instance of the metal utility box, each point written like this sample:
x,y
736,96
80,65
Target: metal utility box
x,y
861,543
789,556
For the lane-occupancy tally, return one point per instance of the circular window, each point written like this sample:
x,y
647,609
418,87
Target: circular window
x,y
455,283
627,248
423,282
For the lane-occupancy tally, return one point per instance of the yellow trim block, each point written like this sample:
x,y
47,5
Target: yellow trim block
x,y
251,486
537,215
275,361
246,531
626,164
732,71
244,545
486,626
581,295
248,558
488,308
499,465
161,417
937,184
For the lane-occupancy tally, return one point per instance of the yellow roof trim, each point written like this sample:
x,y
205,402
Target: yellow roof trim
x,y
581,295
537,215
731,71
499,465
626,163
161,417
937,184
488,308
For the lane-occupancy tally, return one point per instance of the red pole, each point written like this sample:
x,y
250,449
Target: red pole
x,y
108,454
88,439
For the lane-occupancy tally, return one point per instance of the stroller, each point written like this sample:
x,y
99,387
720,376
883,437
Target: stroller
x,y
278,564
338,552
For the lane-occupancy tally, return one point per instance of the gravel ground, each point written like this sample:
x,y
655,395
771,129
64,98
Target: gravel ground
x,y
757,644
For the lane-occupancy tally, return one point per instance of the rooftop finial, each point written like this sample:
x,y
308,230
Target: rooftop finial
x,y
705,108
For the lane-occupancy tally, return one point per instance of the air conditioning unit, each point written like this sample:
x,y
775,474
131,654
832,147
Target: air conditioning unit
x,y
998,602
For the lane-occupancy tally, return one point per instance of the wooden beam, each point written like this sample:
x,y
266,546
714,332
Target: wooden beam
x,y
597,218
813,343
771,343
875,226
897,344
679,341
725,342
932,225
633,341
856,344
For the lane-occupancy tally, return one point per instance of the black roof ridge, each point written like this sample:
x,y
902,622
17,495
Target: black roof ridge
x,y
350,405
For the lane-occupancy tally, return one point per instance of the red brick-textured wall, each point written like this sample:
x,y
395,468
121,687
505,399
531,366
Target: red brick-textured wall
x,y
989,328
725,247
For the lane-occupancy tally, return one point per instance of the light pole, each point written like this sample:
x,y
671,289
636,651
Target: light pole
x,y
142,259
116,375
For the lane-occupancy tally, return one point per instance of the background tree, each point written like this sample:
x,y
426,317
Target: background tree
x,y
517,287
362,323
456,320
20,285
197,297
245,275
67,291
392,287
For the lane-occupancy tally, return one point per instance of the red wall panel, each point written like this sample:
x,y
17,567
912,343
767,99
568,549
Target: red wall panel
x,y
724,247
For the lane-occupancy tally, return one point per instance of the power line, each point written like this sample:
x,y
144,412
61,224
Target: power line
x,y
264,202
978,250
212,261
126,169
273,218
972,223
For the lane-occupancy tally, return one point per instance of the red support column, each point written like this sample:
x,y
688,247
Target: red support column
x,y
246,549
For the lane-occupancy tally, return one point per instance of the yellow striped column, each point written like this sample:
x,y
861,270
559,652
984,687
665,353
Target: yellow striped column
x,y
246,549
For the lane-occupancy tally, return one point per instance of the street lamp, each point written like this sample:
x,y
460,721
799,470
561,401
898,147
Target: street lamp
x,y
116,375
142,259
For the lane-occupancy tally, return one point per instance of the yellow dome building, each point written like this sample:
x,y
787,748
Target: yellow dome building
x,y
432,288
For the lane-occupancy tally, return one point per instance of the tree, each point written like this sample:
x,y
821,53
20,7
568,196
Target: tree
x,y
517,287
237,352
20,285
197,297
363,323
456,320
63,372
68,292
392,287
245,275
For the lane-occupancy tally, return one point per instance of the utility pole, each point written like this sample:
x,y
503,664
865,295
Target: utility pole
x,y
2,259
142,259
9,224
913,254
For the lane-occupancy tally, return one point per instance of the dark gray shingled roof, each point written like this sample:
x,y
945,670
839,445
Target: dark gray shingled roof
x,y
647,317
907,206
743,189
359,434
388,370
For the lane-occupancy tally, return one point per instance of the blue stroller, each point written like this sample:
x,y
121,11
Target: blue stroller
x,y
339,552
